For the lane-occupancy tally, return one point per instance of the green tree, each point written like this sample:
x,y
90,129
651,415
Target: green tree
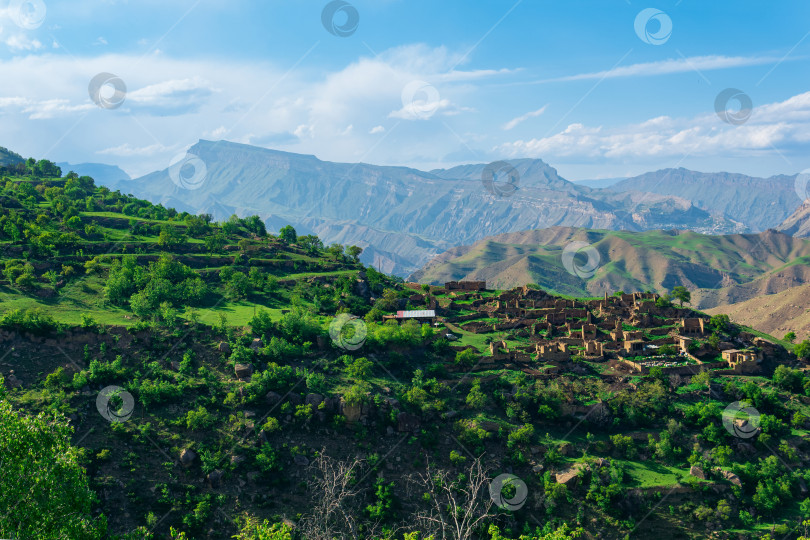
x,y
288,235
354,252
255,225
790,337
238,286
802,350
682,294
215,243
359,369
788,379
720,323
311,243
53,278
170,237
44,492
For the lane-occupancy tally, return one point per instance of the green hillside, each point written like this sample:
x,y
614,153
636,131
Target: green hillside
x,y
163,375
717,269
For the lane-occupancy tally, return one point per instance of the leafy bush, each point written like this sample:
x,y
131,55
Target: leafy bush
x,y
267,460
253,529
466,357
788,379
151,392
199,418
31,320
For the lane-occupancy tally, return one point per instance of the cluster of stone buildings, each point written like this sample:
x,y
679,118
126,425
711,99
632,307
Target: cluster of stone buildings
x,y
629,328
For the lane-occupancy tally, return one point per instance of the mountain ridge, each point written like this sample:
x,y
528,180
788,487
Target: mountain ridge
x,y
719,269
386,208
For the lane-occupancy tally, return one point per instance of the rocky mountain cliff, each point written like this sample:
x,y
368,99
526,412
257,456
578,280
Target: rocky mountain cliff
x,y
798,224
759,203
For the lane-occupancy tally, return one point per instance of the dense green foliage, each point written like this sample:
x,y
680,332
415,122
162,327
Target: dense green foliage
x,y
44,492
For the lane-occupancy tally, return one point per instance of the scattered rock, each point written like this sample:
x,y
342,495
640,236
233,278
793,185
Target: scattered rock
x,y
488,426
301,461
569,478
214,478
331,404
256,344
224,347
697,472
746,448
408,422
731,477
352,411
313,399
272,398
187,457
12,381
566,449
243,371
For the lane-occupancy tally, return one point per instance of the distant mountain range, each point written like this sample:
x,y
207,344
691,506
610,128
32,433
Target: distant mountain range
x,y
600,183
403,217
718,270
7,157
104,175
759,203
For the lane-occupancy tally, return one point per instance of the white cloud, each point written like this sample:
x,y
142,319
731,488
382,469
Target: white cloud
x,y
21,42
422,109
376,129
770,126
670,66
216,134
128,150
175,96
522,118
53,108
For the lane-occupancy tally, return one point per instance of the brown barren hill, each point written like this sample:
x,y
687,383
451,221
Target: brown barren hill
x,y
775,314
798,224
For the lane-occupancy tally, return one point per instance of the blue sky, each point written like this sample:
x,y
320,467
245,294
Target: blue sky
x,y
425,84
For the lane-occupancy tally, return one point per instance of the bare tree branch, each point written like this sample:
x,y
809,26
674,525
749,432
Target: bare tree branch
x,y
456,507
